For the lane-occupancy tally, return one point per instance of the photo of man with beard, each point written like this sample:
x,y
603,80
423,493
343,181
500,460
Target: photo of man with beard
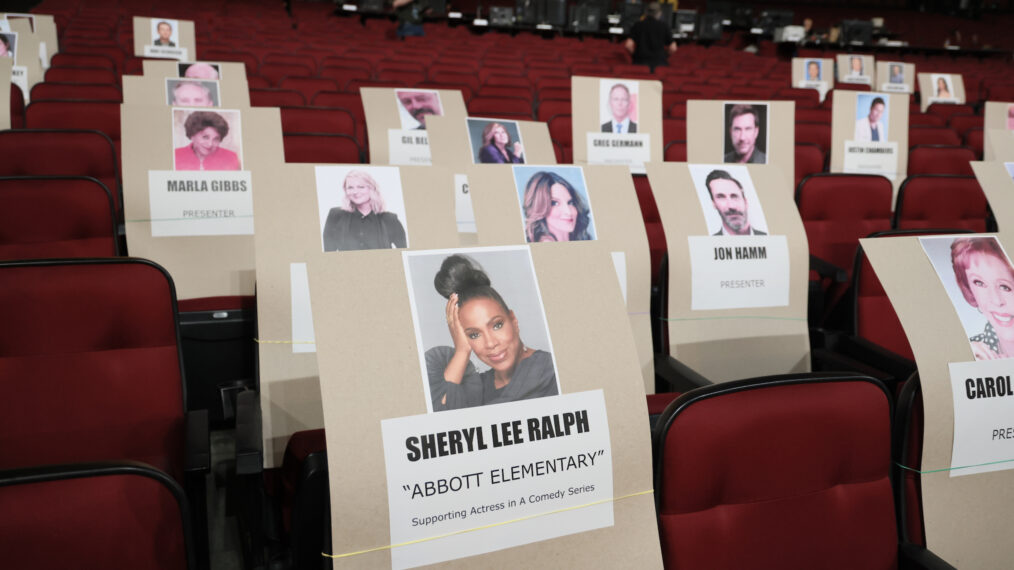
x,y
417,105
730,201
746,135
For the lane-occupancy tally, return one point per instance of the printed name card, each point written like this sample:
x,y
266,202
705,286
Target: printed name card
x,y
734,272
617,122
983,417
408,147
200,203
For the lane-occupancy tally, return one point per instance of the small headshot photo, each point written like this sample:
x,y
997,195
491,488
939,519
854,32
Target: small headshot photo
x,y
164,32
199,70
856,68
414,105
207,140
618,106
746,133
361,207
728,200
813,70
979,280
8,43
554,203
495,141
1010,168
192,93
895,73
480,327
872,117
942,86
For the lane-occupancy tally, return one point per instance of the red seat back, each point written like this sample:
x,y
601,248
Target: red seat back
x,y
321,149
941,201
308,86
940,160
49,91
276,98
932,135
317,120
82,75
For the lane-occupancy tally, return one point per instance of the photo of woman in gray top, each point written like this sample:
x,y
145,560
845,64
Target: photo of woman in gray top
x,y
479,321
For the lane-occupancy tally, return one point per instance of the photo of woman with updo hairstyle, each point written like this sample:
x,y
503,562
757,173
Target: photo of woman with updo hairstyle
x,y
480,321
553,208
206,132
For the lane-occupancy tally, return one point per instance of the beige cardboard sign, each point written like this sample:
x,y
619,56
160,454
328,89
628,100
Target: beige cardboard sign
x,y
732,343
997,184
617,121
43,26
895,77
813,73
758,132
289,234
154,139
940,88
606,192
869,134
369,398
855,68
456,142
27,66
977,504
5,92
396,121
167,38
998,124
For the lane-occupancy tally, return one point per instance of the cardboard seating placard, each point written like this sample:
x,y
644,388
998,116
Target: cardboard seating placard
x,y
738,263
813,73
995,178
940,88
952,295
513,205
998,127
188,178
753,132
44,27
869,134
5,92
167,83
616,121
166,38
543,453
27,70
895,77
855,68
292,226
396,121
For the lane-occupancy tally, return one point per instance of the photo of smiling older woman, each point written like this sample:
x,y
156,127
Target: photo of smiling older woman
x,y
206,140
495,141
480,327
979,279
554,203
360,208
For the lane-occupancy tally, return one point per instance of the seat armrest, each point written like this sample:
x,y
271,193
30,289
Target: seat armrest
x,y
828,269
915,557
198,450
249,438
676,376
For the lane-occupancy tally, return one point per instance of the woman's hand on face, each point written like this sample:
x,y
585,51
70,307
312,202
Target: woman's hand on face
x,y
982,351
518,149
454,326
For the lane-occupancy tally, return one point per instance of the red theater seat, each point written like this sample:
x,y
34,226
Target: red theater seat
x,y
940,160
941,201
51,91
103,116
82,59
276,98
676,151
17,107
932,135
814,133
809,159
500,107
82,75
308,86
321,148
317,120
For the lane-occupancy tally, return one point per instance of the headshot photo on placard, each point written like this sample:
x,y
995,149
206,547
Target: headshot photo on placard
x,y
495,141
480,327
1010,168
942,86
872,117
207,140
896,73
361,207
979,279
192,93
728,199
618,106
200,70
814,71
554,203
8,44
164,32
746,133
856,68
414,105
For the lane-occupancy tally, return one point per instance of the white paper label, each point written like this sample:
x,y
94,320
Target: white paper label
x,y
480,22
350,7
949,101
616,30
408,147
19,77
197,203
465,469
303,339
871,158
820,86
863,79
43,56
454,15
983,416
166,52
620,265
895,87
627,149
738,272
463,211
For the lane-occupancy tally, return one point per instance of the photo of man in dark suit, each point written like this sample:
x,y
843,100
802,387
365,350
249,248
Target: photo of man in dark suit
x,y
619,107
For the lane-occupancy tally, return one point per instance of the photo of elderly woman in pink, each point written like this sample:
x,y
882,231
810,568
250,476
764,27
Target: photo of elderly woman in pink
x,y
206,130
